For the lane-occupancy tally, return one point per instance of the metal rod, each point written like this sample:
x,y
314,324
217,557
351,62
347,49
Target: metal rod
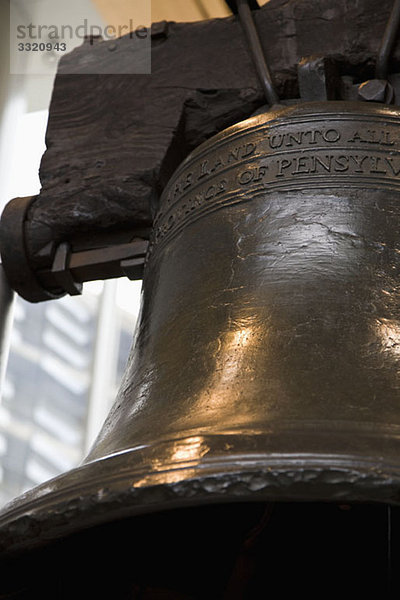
x,y
250,30
388,40
7,297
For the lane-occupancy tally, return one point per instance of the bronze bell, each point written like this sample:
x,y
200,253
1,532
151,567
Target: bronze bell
x,y
265,372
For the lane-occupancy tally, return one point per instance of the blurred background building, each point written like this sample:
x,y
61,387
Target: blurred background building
x,y
67,356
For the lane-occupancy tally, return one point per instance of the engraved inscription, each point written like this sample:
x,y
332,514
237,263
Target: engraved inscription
x,y
312,137
187,206
300,138
252,175
276,149
321,163
281,155
209,167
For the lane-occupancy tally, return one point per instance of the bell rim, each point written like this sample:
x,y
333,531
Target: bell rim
x,y
56,509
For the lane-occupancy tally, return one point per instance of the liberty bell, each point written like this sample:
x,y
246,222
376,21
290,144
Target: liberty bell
x,y
254,441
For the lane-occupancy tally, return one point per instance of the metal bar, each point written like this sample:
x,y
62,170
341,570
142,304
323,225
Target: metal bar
x,y
71,269
96,260
7,298
253,39
388,40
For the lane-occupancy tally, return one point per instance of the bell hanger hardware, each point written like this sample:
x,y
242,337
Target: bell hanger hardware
x,y
244,11
388,40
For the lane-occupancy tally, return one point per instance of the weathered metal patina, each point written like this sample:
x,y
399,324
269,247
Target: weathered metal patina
x,y
258,421
266,362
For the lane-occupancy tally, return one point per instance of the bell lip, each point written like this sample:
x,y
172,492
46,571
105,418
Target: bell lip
x,y
114,488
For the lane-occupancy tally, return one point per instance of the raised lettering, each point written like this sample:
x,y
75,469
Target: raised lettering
x,y
283,164
341,163
391,165
210,193
313,135
217,165
386,141
375,160
301,165
249,149
221,187
275,140
355,138
331,136
233,154
289,157
250,175
294,137
203,169
245,177
187,182
359,162
317,160
259,173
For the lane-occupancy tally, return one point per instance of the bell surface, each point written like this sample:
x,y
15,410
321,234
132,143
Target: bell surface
x,y
266,360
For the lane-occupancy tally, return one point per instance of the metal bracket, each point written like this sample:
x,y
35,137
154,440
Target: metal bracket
x,y
61,271
318,79
71,269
